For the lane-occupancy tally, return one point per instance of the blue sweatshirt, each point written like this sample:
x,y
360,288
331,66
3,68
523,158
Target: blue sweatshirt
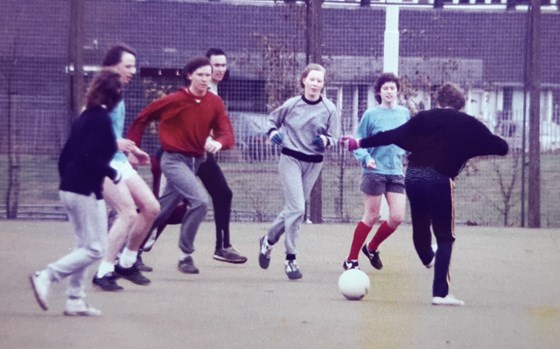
x,y
117,119
389,159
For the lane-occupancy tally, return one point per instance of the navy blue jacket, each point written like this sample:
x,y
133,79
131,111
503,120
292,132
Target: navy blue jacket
x,y
84,161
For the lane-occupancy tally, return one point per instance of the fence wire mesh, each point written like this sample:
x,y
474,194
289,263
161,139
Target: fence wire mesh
x,y
481,45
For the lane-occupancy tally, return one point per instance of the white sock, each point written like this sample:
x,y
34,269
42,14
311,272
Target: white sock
x,y
104,268
185,255
127,258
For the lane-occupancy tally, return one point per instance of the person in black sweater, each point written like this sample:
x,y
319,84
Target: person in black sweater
x,y
83,165
440,142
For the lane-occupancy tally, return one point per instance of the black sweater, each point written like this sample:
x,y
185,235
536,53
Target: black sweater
x,y
442,139
84,161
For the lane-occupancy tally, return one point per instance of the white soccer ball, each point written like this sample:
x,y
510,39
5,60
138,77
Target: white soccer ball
x,y
353,284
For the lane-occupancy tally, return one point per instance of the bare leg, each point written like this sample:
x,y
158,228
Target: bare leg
x,y
148,205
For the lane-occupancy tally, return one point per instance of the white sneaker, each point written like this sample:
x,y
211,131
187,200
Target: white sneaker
x,y
40,283
78,307
447,300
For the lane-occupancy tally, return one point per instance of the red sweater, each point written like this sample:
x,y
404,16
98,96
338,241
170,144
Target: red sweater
x,y
185,121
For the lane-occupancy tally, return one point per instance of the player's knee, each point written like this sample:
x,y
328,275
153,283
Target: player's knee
x,y
199,204
299,211
128,215
395,220
371,218
95,251
228,194
150,210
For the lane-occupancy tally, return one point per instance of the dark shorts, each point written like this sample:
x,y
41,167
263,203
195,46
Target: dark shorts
x,y
378,184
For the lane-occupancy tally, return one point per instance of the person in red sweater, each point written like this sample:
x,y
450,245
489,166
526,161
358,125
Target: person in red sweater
x,y
186,119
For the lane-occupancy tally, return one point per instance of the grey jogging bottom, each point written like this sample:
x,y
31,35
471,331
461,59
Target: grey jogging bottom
x,y
297,178
88,217
180,171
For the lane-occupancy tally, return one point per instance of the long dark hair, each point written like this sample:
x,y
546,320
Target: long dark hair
x,y
105,89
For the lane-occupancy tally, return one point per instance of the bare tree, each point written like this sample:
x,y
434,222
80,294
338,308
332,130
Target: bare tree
x,y
507,178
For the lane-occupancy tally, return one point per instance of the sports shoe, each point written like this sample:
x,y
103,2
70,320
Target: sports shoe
x,y
230,255
141,266
150,242
264,252
350,264
447,300
186,266
292,270
107,282
40,283
78,307
373,258
131,274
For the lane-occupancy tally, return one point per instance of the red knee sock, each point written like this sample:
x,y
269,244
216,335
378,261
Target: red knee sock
x,y
382,233
360,234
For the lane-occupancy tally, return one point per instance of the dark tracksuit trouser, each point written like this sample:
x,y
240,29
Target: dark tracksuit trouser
x,y
430,194
215,183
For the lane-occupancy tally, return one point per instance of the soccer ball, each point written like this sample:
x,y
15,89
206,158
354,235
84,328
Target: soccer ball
x,y
353,284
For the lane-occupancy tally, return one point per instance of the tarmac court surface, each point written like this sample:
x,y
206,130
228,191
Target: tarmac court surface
x,y
508,277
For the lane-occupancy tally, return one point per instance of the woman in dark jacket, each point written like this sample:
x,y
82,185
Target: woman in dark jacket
x,y
440,142
83,165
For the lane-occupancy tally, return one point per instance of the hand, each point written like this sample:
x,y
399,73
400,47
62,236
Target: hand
x,y
320,142
276,137
141,157
133,160
124,144
350,143
371,164
212,146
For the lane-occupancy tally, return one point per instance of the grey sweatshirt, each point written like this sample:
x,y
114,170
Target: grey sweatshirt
x,y
301,120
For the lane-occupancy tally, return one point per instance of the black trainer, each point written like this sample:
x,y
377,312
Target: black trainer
x,y
350,264
132,274
107,283
141,266
373,257
292,270
230,255
264,252
186,266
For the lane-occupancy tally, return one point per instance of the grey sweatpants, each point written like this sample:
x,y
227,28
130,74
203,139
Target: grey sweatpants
x,y
89,220
297,178
180,171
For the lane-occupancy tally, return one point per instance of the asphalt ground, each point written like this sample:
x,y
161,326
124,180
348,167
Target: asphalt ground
x,y
509,279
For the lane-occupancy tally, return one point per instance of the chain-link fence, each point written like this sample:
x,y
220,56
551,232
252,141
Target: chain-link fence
x,y
481,45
